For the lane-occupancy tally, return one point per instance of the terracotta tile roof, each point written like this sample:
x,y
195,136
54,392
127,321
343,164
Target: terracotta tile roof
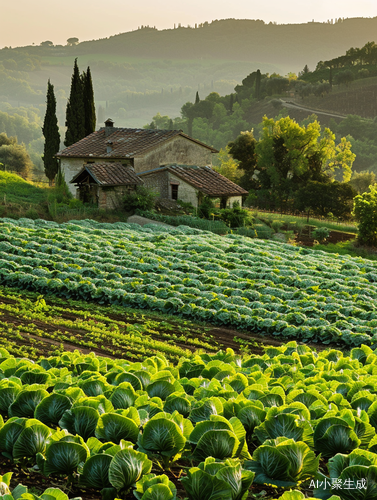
x,y
108,174
205,179
122,143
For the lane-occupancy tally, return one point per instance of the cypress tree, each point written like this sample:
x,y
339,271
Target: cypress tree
x,y
75,114
197,98
89,107
231,103
51,134
257,84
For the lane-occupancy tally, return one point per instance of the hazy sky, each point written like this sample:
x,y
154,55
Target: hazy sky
x,y
25,22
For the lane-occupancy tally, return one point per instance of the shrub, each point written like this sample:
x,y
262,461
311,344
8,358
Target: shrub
x,y
142,198
321,234
236,216
276,225
365,211
206,208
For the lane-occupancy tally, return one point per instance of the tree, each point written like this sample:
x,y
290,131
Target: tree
x,y
14,156
288,151
361,181
243,149
75,114
365,211
321,198
72,41
258,78
89,106
51,134
197,98
228,166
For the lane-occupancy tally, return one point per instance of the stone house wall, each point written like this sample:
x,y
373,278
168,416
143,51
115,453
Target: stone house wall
x,y
232,199
111,198
158,181
186,192
177,150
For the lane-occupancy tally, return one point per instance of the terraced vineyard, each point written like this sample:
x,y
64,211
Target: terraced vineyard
x,y
285,291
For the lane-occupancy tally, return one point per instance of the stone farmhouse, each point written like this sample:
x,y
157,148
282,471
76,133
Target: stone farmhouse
x,y
107,164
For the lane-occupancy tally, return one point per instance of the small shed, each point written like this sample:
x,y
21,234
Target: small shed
x,y
190,183
105,184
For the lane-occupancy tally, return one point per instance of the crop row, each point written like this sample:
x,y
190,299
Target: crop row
x,y
30,327
254,419
283,290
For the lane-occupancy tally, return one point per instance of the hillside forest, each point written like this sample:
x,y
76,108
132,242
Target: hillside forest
x,y
338,93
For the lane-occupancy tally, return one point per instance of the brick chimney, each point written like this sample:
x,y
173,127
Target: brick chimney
x,y
109,127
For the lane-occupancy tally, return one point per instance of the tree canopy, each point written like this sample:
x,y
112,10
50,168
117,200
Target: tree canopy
x,y
14,156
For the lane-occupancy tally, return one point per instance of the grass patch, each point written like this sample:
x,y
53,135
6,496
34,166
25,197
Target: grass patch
x,y
20,198
349,248
347,227
14,189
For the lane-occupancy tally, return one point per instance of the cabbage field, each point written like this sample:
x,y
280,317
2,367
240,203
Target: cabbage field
x,y
209,427
249,284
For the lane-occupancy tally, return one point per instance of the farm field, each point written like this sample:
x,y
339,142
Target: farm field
x,y
34,327
152,363
211,426
248,284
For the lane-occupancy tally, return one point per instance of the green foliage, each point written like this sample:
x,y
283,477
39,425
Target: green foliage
x,y
206,208
142,198
214,480
214,226
365,211
151,487
322,198
243,149
89,106
51,134
75,114
162,437
321,234
283,462
236,216
13,156
361,181
358,468
227,166
232,267
127,467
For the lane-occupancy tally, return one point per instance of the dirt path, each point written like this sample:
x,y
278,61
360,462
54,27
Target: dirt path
x,y
290,104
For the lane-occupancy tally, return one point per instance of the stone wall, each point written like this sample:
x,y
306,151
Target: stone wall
x,y
177,150
158,181
112,198
70,167
186,192
232,199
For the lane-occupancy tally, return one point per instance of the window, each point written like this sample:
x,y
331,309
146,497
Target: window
x,y
174,191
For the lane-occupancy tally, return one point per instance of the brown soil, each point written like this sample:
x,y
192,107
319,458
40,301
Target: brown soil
x,y
217,337
34,480
334,237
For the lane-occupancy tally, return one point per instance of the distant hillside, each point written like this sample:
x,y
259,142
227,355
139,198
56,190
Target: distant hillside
x,y
359,98
138,73
289,46
144,72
